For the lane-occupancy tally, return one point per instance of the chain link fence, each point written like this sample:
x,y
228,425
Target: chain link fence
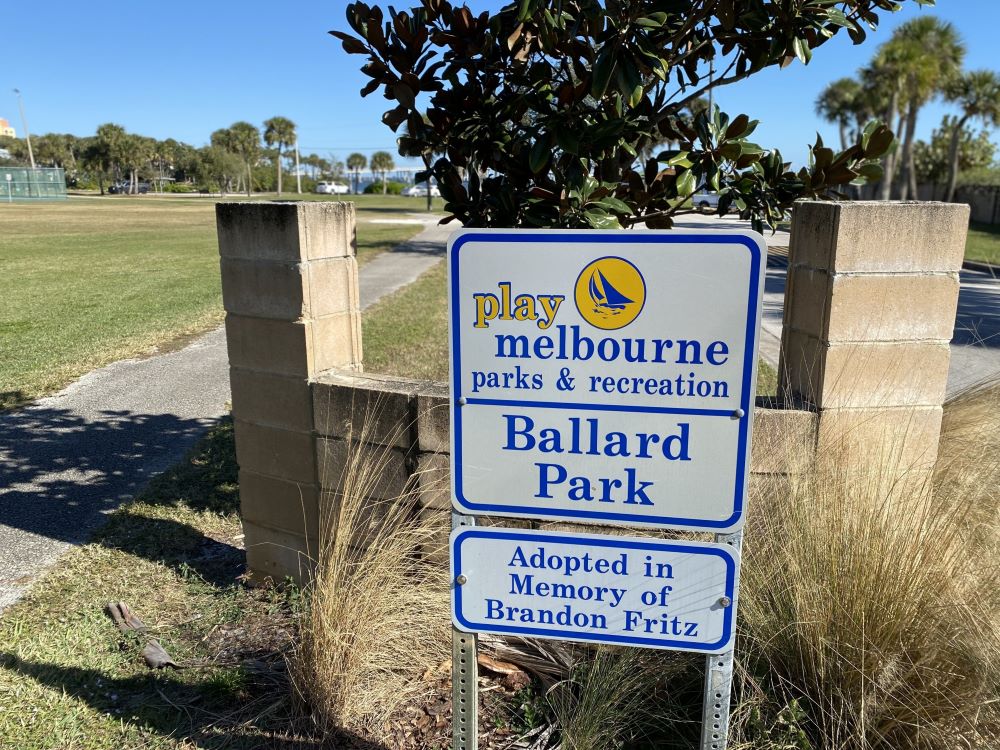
x,y
25,184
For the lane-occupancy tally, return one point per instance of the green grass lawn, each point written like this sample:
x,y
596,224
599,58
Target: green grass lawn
x,y
407,334
93,280
983,243
69,679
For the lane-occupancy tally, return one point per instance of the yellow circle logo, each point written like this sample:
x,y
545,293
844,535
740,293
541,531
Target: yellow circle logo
x,y
610,293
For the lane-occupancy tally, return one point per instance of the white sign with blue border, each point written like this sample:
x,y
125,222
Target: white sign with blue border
x,y
604,377
598,589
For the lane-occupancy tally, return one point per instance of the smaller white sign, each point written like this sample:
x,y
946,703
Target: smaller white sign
x,y
596,589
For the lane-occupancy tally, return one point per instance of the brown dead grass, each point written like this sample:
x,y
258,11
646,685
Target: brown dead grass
x,y
377,617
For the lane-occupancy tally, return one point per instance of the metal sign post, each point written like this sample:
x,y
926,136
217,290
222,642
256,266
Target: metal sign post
x,y
719,680
604,378
464,673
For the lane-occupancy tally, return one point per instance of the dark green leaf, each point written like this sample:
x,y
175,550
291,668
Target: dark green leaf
x,y
604,66
538,157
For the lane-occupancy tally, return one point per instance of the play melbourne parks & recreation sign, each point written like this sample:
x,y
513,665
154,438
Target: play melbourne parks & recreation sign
x,y
604,378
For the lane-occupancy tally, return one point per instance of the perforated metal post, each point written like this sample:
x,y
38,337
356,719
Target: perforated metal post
x,y
719,678
464,676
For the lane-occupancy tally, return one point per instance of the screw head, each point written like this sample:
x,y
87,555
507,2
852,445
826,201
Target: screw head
x,y
739,414
725,602
462,401
461,580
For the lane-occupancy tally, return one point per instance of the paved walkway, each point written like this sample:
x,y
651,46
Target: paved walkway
x,y
67,460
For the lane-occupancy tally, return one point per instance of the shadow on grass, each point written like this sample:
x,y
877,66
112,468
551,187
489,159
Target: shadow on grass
x,y
161,703
10,399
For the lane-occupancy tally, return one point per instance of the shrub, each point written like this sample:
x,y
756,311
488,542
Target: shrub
x,y
391,187
179,187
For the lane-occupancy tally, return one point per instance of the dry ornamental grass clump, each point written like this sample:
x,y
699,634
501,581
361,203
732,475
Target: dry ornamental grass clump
x,y
377,615
870,597
869,611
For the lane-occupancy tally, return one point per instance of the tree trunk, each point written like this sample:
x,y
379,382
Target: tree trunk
x,y
279,168
249,180
907,178
383,183
953,151
843,135
298,169
885,189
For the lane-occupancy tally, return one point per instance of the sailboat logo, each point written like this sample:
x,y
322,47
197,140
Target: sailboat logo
x,y
610,293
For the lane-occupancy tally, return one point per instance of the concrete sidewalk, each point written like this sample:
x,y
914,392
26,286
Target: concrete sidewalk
x,y
67,460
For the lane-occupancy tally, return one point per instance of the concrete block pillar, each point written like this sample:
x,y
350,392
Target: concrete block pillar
x,y
290,291
870,307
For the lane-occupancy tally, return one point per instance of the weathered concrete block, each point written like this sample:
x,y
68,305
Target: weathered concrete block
x,y
884,375
279,453
813,234
336,341
855,375
435,550
264,289
292,507
362,470
283,401
807,307
369,408
287,231
277,554
328,228
783,440
892,308
880,236
433,419
887,441
801,365
434,479
277,346
333,286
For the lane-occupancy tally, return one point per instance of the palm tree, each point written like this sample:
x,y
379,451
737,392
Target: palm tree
x,y
95,158
382,163
839,103
882,82
111,140
243,139
977,93
356,162
929,53
280,132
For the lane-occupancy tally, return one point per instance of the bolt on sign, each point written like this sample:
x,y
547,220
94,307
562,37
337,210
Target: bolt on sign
x,y
604,378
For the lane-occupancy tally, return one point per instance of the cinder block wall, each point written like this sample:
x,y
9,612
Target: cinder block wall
x,y
408,431
290,290
870,307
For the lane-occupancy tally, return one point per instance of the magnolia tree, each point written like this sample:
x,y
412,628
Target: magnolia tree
x,y
539,114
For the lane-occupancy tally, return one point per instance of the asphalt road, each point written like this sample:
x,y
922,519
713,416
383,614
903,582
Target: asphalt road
x,y
68,460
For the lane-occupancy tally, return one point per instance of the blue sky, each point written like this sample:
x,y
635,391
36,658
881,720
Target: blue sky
x,y
182,69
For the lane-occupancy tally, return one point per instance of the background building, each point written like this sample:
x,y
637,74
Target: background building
x,y
6,129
